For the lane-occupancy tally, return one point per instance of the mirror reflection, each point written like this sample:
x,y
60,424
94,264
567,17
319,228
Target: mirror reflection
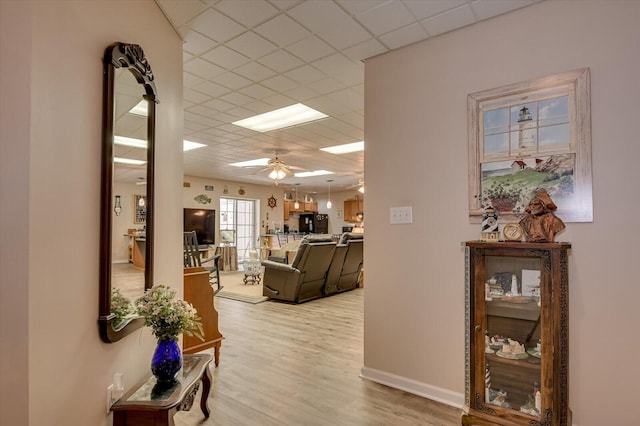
x,y
128,233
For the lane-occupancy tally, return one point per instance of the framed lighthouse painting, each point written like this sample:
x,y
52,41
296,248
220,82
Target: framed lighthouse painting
x,y
530,135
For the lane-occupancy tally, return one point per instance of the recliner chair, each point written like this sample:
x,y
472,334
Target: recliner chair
x,y
344,271
304,279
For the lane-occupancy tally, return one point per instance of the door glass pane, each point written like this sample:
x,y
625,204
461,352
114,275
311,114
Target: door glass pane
x,y
513,340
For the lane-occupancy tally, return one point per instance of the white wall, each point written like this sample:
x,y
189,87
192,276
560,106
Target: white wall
x,y
49,313
416,131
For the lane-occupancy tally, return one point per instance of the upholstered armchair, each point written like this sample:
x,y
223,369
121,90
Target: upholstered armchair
x,y
304,279
344,271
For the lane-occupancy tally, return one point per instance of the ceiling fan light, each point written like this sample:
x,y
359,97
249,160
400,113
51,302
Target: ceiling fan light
x,y
277,174
361,189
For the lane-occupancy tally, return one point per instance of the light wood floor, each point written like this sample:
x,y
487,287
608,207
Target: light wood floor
x,y
289,365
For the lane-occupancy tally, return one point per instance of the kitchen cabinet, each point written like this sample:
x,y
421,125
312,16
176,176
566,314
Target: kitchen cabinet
x,y
351,210
304,207
517,334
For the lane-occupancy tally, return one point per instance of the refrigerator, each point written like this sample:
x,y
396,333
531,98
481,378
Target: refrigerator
x,y
314,223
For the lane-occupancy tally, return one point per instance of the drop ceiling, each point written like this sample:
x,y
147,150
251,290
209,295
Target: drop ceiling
x,y
246,57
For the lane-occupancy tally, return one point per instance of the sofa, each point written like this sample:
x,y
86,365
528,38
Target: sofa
x,y
321,267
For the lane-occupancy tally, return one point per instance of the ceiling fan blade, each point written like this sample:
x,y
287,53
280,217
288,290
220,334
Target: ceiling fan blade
x,y
261,170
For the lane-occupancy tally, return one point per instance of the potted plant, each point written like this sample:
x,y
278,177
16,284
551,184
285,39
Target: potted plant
x,y
168,318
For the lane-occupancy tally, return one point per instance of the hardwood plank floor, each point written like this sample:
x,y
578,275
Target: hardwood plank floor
x,y
285,364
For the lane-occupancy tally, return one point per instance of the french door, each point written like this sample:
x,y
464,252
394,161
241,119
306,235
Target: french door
x,y
240,215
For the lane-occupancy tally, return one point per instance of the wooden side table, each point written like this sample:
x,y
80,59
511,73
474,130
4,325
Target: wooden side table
x,y
153,404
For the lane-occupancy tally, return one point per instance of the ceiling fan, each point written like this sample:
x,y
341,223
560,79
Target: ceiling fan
x,y
278,169
360,184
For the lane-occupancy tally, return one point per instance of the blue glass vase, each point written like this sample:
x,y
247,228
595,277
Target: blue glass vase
x,y
166,361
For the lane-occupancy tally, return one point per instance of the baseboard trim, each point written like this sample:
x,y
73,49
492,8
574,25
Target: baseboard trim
x,y
435,393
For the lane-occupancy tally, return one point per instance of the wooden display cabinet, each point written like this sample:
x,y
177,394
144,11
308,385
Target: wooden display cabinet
x,y
517,334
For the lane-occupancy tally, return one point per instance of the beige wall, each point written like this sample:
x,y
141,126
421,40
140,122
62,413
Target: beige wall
x,y
416,131
55,369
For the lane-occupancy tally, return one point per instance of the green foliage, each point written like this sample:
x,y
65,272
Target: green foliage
x,y
168,317
121,307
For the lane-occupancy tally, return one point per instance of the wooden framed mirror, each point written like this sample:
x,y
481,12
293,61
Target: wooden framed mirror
x,y
126,209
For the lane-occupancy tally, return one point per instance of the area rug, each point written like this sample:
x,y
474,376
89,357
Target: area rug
x,y
234,288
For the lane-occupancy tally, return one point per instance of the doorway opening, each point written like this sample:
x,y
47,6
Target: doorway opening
x,y
240,215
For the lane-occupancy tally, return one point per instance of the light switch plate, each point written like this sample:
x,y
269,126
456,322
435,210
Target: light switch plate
x,y
400,215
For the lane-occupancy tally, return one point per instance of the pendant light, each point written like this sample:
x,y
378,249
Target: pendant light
x,y
296,205
329,203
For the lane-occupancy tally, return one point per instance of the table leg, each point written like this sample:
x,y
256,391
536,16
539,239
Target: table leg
x,y
216,353
206,387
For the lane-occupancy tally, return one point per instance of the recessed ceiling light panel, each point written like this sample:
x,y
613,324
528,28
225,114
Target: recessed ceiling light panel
x,y
281,118
344,149
314,173
251,163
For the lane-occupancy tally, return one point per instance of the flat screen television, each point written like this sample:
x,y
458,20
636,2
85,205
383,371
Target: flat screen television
x,y
203,221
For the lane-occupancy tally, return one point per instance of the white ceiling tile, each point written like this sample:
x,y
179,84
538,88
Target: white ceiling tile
x,y
248,13
488,8
279,83
258,107
195,97
225,57
186,56
310,49
210,88
305,74
356,7
301,93
326,85
280,61
233,81
279,101
237,98
386,17
252,45
257,91
190,80
422,9
201,110
337,63
450,20
362,51
203,69
330,23
181,11
404,36
254,71
195,43
239,112
219,105
285,4
282,30
216,26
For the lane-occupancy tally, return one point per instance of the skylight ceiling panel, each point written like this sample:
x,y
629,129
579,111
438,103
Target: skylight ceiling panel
x,y
203,69
404,36
385,17
252,45
280,61
254,71
450,20
282,30
225,57
330,23
247,13
216,26
310,49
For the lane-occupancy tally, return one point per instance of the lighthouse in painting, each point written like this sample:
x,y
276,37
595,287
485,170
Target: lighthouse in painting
x,y
525,138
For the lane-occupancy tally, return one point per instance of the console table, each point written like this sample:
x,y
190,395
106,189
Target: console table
x,y
151,403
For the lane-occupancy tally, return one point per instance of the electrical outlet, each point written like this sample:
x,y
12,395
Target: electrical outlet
x,y
109,398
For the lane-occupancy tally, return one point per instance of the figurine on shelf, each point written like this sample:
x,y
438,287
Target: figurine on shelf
x,y
540,225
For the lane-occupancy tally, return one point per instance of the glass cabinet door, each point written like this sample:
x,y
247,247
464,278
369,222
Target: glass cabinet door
x,y
513,337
